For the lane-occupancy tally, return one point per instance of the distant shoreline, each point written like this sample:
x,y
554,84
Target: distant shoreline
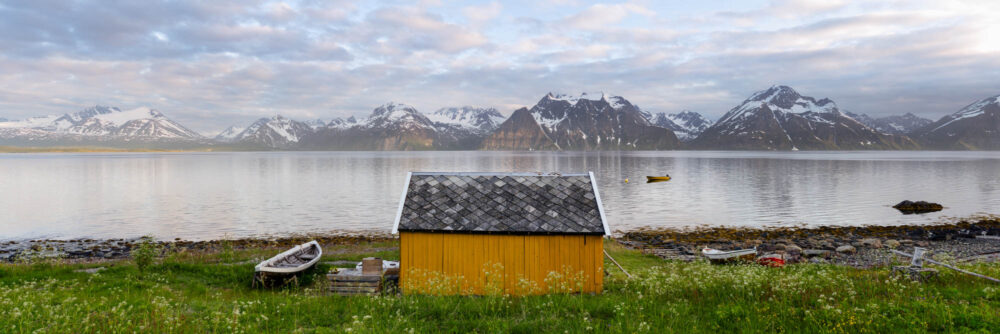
x,y
85,149
98,149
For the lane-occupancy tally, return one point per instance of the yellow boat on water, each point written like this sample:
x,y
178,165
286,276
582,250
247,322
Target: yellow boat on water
x,y
658,178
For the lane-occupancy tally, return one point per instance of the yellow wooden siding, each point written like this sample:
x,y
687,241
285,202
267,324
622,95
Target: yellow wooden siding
x,y
450,263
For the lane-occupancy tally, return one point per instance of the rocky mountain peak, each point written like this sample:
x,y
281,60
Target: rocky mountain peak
x,y
776,94
976,126
396,113
687,125
589,121
785,98
342,123
779,118
474,118
614,100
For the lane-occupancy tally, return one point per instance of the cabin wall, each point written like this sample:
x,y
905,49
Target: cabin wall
x,y
452,263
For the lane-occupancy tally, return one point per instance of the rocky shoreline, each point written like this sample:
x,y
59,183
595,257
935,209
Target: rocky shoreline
x,y
864,246
111,249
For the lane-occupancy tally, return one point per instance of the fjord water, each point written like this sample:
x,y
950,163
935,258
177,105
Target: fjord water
x,y
212,195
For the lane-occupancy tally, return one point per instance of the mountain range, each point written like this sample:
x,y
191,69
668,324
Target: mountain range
x,y
777,118
584,122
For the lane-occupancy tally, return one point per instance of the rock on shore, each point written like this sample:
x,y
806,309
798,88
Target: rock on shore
x,y
911,207
856,246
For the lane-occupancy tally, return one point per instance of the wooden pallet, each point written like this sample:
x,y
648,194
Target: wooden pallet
x,y
350,282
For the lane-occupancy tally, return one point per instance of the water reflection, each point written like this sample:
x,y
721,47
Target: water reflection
x,y
209,195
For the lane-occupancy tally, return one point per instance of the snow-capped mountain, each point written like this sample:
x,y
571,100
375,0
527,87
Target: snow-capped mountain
x,y
477,119
895,124
399,127
274,132
397,116
977,126
100,123
779,118
230,133
341,123
585,122
316,123
687,125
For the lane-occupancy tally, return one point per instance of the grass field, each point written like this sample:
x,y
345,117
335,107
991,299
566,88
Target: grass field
x,y
186,292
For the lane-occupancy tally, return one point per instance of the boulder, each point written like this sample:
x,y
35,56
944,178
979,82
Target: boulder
x,y
846,249
815,253
871,243
911,207
793,249
892,244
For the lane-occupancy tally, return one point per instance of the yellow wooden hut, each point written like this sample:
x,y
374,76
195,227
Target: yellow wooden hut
x,y
501,233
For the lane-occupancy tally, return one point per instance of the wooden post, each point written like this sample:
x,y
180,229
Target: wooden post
x,y
616,264
918,257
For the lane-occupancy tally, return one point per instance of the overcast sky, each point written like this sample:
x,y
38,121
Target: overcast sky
x,y
210,64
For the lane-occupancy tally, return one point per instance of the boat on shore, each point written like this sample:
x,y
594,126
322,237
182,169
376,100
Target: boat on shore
x,y
721,256
287,264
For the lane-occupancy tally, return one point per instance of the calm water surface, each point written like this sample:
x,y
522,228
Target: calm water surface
x,y
211,195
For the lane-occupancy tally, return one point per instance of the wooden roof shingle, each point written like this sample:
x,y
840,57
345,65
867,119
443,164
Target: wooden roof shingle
x,y
514,203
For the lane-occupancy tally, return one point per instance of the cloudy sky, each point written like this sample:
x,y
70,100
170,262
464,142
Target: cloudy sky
x,y
214,63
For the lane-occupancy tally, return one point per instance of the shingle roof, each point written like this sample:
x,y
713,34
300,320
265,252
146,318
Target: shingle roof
x,y
520,203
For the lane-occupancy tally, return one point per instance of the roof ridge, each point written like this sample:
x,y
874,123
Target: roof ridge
x,y
502,173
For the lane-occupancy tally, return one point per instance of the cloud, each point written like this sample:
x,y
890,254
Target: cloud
x,y
212,64
478,15
401,31
601,16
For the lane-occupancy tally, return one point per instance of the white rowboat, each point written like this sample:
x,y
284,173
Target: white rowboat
x,y
288,263
719,256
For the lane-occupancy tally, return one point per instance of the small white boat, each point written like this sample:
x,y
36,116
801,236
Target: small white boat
x,y
721,256
288,263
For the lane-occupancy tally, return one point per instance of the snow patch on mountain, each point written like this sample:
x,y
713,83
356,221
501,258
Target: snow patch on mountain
x,y
103,121
274,132
31,123
479,119
398,115
340,123
779,100
895,124
551,119
970,111
230,133
316,123
615,101
687,125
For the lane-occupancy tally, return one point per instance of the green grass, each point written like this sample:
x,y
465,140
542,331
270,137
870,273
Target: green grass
x,y
189,292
